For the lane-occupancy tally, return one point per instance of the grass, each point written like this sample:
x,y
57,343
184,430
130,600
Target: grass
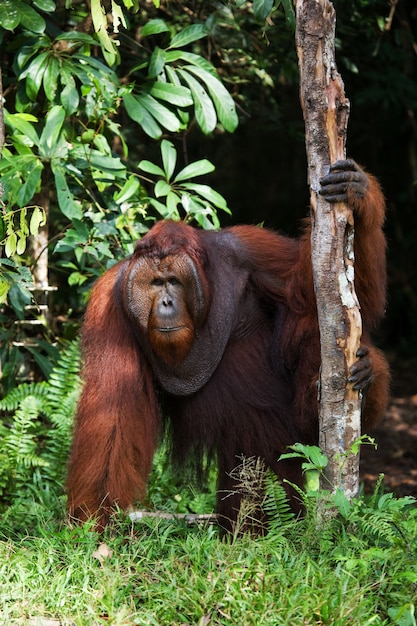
x,y
159,572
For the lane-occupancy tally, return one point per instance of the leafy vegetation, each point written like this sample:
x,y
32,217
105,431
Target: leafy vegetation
x,y
107,130
358,569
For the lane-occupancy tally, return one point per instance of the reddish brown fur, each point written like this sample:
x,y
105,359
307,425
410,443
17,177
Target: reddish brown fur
x,y
262,396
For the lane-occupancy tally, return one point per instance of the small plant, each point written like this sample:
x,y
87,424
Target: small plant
x,y
35,430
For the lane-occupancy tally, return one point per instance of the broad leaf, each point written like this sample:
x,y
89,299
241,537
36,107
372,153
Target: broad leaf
x,y
21,122
67,203
203,106
169,158
137,112
128,190
31,184
222,99
50,78
9,15
37,219
188,35
45,5
52,129
198,168
190,57
209,194
162,188
34,74
176,95
154,27
29,18
151,168
157,62
262,8
162,114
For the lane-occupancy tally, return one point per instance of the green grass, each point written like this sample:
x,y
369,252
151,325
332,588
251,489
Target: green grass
x,y
160,572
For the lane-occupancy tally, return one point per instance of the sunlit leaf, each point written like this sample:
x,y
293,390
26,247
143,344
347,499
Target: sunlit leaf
x,y
203,106
139,114
9,15
169,158
162,114
209,194
198,168
37,219
223,101
176,95
128,190
151,168
52,130
162,188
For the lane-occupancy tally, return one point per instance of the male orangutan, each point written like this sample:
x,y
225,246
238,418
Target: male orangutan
x,y
221,329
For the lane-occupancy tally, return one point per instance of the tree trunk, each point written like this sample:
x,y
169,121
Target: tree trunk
x,y
326,112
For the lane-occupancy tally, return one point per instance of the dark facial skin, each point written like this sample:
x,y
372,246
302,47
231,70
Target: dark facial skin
x,y
168,303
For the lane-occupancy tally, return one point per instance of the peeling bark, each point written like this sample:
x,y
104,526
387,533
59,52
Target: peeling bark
x,y
326,112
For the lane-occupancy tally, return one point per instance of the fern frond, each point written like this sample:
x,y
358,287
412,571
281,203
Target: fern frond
x,y
276,503
18,394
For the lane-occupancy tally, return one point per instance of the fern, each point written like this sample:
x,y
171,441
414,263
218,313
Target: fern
x,y
276,503
36,430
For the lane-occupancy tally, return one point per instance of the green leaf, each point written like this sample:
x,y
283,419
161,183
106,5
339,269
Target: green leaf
x,y
100,26
104,163
162,188
45,5
157,62
139,114
164,116
10,245
222,99
50,78
69,95
48,142
21,122
169,158
19,297
128,190
34,74
37,219
176,95
154,27
21,245
209,194
190,57
289,12
262,8
151,168
31,184
4,289
77,36
9,15
172,201
198,168
69,207
188,35
30,18
203,106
